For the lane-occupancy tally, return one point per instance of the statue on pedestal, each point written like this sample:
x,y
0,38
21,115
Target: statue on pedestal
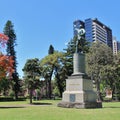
x,y
79,91
78,56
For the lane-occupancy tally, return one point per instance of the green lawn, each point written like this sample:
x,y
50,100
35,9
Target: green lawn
x,y
48,110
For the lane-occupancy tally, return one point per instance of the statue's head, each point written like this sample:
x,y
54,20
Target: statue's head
x,y
81,32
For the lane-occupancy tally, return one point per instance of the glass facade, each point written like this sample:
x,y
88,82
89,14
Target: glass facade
x,y
88,29
95,30
118,46
109,38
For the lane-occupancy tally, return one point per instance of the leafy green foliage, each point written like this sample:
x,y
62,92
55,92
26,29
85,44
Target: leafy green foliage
x,y
32,73
98,59
116,75
5,85
51,65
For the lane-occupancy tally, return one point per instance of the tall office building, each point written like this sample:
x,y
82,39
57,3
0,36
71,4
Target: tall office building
x,y
118,45
95,30
114,46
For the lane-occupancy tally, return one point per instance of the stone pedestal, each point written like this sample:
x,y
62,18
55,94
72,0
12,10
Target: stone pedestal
x,y
79,94
79,90
78,63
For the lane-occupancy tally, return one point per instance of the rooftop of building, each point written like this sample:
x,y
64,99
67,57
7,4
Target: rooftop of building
x,y
100,23
94,20
76,21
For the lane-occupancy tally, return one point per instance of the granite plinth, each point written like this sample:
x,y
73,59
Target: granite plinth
x,y
79,93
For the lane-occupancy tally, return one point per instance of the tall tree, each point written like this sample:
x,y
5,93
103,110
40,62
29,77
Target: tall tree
x,y
50,52
60,73
51,64
98,59
115,83
32,73
9,31
48,64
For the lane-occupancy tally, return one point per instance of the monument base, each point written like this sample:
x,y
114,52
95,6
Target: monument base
x,y
80,105
79,93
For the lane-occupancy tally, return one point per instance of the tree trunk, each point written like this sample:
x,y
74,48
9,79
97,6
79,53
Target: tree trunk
x,y
16,85
98,91
116,97
49,82
30,96
16,95
50,91
60,87
46,83
15,91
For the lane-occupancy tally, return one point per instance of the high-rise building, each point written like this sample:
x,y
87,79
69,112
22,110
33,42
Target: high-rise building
x,y
114,46
95,30
118,45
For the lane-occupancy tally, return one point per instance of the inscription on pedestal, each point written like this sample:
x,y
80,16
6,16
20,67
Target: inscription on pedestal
x,y
72,97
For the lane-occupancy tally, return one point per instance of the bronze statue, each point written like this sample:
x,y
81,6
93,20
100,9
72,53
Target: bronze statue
x,y
79,42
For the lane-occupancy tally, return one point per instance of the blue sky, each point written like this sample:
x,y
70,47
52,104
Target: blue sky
x,y
39,23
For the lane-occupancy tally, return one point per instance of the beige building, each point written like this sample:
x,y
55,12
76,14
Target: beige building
x,y
115,46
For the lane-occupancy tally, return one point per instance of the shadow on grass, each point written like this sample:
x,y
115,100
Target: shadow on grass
x,y
41,104
10,107
112,107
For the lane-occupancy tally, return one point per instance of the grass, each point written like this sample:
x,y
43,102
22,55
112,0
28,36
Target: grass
x,y
48,110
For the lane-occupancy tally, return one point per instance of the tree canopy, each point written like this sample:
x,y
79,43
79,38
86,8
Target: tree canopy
x,y
99,57
32,73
